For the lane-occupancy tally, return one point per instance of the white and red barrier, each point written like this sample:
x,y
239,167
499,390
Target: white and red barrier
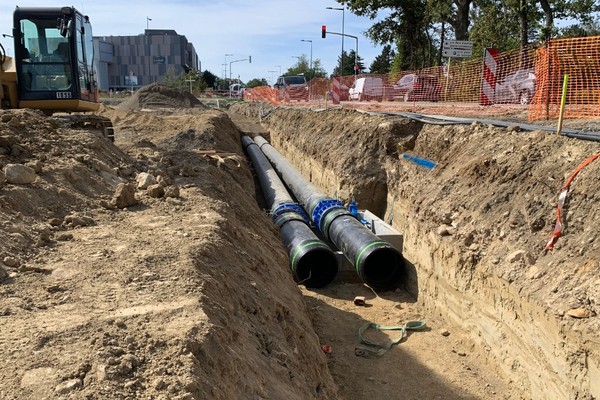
x,y
488,78
336,90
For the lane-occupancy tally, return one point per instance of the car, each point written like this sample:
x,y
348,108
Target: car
x,y
292,87
518,87
417,87
367,88
236,90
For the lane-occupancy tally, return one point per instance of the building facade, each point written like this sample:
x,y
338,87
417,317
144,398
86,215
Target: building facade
x,y
129,62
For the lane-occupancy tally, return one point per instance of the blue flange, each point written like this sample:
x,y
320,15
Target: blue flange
x,y
322,207
283,208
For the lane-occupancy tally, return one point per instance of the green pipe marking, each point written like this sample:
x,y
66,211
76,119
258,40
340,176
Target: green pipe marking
x,y
317,242
358,257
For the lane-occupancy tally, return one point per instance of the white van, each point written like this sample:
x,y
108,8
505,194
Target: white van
x,y
236,90
368,88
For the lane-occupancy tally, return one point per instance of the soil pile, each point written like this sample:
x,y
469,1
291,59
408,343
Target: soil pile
x,y
157,96
183,294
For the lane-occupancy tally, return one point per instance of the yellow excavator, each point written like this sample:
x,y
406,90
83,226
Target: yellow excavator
x,y
53,67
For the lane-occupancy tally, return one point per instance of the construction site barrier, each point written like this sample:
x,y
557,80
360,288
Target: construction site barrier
x,y
529,77
579,58
488,79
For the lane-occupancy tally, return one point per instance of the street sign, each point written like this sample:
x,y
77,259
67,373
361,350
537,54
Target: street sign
x,y
457,53
457,48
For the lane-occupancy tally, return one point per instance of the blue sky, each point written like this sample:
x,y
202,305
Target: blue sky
x,y
269,30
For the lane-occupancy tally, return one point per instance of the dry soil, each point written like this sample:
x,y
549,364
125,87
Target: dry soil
x,y
147,268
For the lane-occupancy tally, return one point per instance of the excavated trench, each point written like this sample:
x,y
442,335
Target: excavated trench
x,y
474,229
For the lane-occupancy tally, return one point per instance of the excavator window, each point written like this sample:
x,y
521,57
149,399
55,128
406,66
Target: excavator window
x,y
46,61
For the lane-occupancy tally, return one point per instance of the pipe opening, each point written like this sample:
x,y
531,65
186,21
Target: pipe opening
x,y
383,268
316,268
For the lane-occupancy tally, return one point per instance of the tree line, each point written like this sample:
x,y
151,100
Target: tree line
x,y
412,32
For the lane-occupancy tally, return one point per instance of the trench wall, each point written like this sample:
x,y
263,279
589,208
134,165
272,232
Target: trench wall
x,y
469,270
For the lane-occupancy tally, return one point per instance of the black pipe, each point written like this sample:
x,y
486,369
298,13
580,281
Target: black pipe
x,y
378,264
312,261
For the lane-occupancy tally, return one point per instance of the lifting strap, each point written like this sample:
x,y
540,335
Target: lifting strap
x,y
380,349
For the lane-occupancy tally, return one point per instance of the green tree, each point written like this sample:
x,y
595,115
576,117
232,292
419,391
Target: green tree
x,y
581,30
302,67
182,81
382,64
257,82
349,60
406,26
209,78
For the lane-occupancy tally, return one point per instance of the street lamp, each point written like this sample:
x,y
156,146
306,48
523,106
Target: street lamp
x,y
231,62
342,58
225,74
310,41
278,66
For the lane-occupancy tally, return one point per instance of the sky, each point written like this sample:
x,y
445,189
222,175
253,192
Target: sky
x,y
270,31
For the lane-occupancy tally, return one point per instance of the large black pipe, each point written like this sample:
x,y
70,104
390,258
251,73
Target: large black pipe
x,y
312,261
378,263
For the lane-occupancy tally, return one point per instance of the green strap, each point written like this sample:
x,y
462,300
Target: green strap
x,y
382,348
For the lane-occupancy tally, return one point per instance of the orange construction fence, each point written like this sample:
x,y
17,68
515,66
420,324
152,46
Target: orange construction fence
x,y
580,59
530,77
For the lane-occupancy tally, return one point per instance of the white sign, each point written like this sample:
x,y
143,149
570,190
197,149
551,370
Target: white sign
x,y
457,48
457,53
458,43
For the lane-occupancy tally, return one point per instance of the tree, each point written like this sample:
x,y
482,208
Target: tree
x,y
209,78
581,10
257,82
406,26
302,67
581,30
382,64
349,60
182,81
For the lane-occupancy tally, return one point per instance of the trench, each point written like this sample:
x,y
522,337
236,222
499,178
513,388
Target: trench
x,y
456,273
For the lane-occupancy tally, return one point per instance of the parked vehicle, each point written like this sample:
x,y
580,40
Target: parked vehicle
x,y
236,90
292,87
415,87
367,88
518,87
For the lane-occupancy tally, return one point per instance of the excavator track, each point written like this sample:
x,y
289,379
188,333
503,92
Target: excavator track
x,y
96,122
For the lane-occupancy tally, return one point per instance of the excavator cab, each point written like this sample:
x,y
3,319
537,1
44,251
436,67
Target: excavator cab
x,y
54,56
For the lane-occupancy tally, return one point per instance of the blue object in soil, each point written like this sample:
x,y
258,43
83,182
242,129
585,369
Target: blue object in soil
x,y
420,161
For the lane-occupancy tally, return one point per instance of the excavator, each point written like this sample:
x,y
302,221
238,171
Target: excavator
x,y
53,67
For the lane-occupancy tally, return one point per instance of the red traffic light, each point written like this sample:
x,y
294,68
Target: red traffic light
x,y
323,31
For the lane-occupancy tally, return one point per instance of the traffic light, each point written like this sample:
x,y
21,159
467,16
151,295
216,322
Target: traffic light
x,y
249,59
323,31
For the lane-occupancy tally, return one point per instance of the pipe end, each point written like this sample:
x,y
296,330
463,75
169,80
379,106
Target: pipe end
x,y
316,268
383,268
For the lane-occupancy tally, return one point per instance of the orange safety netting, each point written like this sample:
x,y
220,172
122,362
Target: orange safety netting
x,y
580,59
530,78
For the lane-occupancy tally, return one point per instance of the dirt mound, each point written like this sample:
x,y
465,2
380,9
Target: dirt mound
x,y
180,296
157,96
